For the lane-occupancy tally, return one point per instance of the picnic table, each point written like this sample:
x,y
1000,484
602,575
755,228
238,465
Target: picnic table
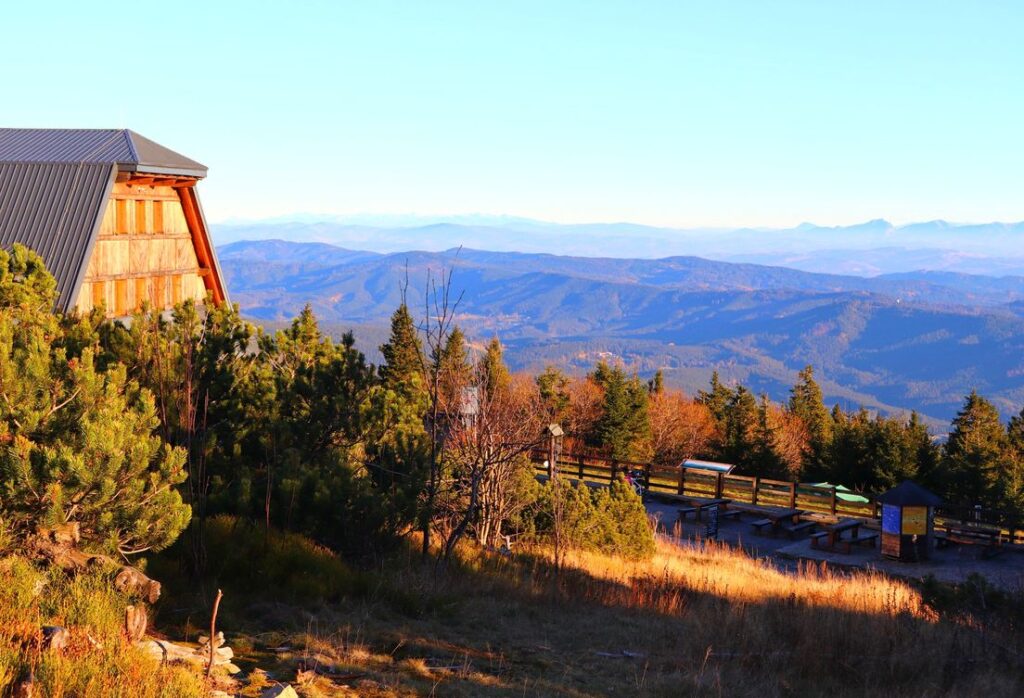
x,y
775,519
697,505
991,539
833,535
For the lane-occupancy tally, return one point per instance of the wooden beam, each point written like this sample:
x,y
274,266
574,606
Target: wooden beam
x,y
201,242
141,181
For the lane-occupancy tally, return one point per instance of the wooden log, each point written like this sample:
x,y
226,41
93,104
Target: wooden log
x,y
131,582
165,651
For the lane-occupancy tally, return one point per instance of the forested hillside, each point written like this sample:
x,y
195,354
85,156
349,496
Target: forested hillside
x,y
894,343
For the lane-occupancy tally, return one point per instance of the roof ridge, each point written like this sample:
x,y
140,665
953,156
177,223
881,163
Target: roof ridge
x,y
128,133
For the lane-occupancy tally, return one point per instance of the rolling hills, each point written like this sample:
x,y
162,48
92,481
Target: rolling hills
x,y
912,340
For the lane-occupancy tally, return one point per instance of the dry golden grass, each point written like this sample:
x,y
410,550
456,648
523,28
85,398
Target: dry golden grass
x,y
98,660
723,571
703,621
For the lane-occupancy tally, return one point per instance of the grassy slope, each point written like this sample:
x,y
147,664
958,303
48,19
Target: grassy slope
x,y
98,660
708,622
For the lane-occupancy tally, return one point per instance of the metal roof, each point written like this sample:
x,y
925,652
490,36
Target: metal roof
x,y
55,209
124,148
909,493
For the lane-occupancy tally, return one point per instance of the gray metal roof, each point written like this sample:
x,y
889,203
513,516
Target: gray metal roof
x,y
122,147
909,493
55,209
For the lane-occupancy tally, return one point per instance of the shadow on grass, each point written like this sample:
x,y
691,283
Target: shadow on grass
x,y
702,622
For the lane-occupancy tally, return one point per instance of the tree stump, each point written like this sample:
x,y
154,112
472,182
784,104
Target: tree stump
x,y
136,621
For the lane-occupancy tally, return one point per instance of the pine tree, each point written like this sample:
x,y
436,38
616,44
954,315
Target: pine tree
x,y
403,353
624,428
975,452
553,386
656,386
741,420
454,372
77,444
495,374
806,402
765,459
717,399
1015,432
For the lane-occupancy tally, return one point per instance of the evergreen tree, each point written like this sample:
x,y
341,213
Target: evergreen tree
x,y
656,385
741,421
496,376
454,371
77,444
624,428
975,452
553,386
717,399
847,460
1015,432
402,369
765,459
806,402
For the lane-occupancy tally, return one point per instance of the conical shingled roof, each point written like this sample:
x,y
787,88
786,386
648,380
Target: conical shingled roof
x,y
124,148
910,494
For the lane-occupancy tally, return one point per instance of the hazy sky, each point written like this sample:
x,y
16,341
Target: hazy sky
x,y
674,113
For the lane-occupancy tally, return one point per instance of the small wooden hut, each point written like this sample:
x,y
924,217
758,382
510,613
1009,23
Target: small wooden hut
x,y
115,216
908,522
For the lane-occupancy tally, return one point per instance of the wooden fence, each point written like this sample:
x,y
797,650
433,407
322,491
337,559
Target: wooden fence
x,y
688,482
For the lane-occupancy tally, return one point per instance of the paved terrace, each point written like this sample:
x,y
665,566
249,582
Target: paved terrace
x,y
952,564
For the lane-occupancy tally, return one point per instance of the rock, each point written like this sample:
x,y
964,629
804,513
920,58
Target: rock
x,y
281,690
55,638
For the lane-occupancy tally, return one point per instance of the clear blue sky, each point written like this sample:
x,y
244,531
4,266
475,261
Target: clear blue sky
x,y
710,113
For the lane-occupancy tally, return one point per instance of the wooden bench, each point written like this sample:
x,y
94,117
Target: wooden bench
x,y
761,523
847,543
683,511
818,538
730,514
798,527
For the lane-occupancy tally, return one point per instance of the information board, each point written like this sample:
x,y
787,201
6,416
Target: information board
x,y
890,519
915,521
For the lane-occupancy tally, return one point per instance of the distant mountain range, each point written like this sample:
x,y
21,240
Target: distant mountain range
x,y
899,341
868,249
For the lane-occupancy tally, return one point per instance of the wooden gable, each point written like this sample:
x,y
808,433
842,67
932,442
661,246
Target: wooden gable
x,y
152,248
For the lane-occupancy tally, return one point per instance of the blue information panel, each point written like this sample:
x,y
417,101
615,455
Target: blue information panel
x,y
890,519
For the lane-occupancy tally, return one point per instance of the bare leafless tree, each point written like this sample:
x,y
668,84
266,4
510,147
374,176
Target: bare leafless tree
x,y
438,319
486,447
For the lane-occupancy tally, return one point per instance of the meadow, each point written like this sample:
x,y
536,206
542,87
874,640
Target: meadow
x,y
696,621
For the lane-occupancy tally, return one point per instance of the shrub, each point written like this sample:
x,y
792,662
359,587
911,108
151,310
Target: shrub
x,y
240,553
611,520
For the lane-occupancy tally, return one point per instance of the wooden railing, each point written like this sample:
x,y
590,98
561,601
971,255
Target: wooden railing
x,y
688,482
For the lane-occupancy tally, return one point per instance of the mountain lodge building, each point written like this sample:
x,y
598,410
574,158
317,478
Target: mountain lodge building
x,y
115,216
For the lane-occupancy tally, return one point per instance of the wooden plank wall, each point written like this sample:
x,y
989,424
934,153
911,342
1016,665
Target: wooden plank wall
x,y
144,253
